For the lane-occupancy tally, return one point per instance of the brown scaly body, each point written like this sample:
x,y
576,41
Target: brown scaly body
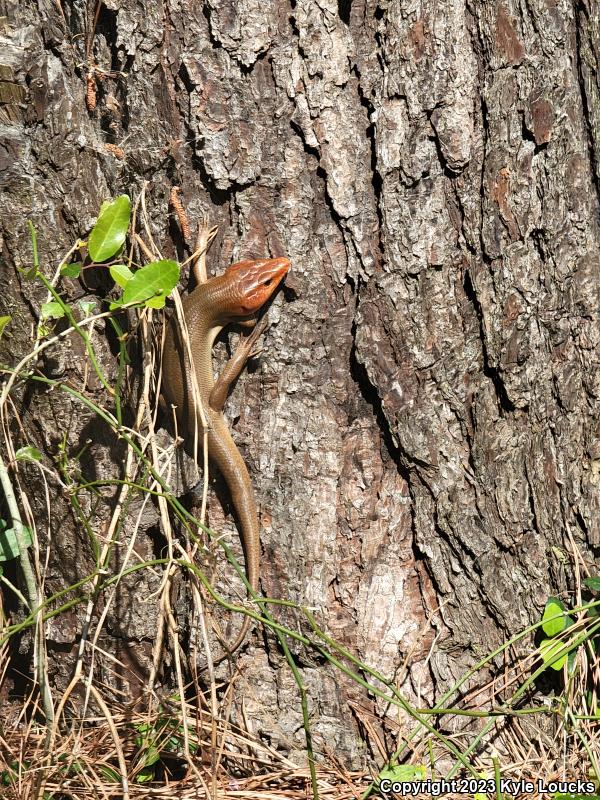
x,y
232,297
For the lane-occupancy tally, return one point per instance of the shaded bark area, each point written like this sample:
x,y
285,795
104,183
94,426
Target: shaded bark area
x,y
422,429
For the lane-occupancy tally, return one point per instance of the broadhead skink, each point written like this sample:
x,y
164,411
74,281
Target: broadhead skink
x,y
235,296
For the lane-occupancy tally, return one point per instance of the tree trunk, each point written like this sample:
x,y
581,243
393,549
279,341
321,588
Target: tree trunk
x,y
422,428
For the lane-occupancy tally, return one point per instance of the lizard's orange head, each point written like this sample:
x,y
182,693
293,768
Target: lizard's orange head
x,y
251,283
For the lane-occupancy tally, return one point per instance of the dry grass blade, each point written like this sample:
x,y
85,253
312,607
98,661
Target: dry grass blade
x,y
107,761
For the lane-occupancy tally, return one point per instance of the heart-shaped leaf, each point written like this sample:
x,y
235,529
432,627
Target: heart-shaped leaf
x,y
151,284
121,274
109,232
554,619
9,547
52,310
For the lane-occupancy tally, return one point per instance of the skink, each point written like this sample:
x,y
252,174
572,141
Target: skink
x,y
235,296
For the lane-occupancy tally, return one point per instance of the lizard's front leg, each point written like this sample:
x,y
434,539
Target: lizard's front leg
x,y
233,368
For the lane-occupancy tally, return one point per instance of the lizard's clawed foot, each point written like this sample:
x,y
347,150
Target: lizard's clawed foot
x,y
247,345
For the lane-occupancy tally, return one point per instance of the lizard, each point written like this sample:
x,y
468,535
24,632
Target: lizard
x,y
235,296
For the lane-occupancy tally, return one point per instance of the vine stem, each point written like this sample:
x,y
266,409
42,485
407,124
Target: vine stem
x,y
33,594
